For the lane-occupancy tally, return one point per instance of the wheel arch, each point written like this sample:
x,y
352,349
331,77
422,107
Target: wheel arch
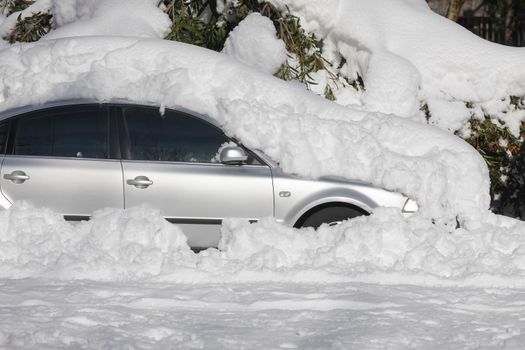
x,y
304,214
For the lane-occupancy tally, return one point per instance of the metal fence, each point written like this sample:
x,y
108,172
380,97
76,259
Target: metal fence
x,y
486,28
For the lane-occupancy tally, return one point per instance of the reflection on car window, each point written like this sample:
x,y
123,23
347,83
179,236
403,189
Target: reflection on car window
x,y
3,136
174,136
76,131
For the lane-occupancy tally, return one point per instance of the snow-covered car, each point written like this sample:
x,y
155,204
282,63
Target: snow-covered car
x,y
79,156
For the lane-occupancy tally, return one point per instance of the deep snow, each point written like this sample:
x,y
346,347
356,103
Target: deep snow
x,y
408,56
127,279
306,134
137,244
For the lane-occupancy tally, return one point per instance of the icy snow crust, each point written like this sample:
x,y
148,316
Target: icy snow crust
x,y
409,55
306,134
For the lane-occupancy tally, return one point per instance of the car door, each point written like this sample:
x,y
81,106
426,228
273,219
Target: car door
x,y
4,132
171,164
59,158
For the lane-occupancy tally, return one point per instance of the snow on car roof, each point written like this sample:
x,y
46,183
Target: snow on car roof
x,y
306,134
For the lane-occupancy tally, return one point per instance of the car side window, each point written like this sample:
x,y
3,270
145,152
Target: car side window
x,y
72,131
174,136
4,129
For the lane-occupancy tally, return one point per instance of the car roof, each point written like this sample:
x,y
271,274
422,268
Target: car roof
x,y
71,102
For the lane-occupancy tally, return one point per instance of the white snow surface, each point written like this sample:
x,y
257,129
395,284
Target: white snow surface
x,y
43,314
127,278
138,244
254,43
407,55
306,134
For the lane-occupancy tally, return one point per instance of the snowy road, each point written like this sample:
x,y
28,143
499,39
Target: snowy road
x,y
46,314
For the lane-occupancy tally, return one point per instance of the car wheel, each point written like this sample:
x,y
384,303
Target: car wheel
x,y
331,216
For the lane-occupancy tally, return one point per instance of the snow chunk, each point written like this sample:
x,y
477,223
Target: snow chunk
x,y
254,43
392,85
136,18
64,12
454,114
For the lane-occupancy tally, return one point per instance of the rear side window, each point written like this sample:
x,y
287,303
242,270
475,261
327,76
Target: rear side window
x,y
73,131
174,136
4,128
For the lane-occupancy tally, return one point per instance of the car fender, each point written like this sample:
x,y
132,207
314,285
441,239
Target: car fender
x,y
341,195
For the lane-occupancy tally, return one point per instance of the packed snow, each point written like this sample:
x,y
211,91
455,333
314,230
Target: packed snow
x,y
408,55
43,314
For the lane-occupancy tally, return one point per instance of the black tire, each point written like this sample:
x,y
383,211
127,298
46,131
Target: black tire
x,y
331,215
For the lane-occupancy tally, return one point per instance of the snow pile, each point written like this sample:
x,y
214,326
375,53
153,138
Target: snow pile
x,y
254,42
383,242
406,56
307,134
138,244
114,245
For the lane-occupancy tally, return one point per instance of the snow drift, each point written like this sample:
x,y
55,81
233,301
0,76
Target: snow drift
x,y
307,134
138,244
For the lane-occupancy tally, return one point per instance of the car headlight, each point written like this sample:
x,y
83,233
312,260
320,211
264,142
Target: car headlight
x,y
410,206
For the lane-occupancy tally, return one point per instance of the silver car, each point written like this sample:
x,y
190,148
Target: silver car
x,y
78,156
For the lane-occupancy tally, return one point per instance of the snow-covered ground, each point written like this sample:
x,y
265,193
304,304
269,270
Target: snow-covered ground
x,y
44,314
127,279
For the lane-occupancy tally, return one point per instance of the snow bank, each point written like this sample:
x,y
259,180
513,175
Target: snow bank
x,y
307,134
138,244
254,42
114,245
408,55
383,242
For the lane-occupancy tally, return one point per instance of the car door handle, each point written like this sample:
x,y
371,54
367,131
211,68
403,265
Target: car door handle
x,y
17,176
140,182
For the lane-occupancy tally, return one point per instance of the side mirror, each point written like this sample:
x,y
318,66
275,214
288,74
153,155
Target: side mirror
x,y
233,155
